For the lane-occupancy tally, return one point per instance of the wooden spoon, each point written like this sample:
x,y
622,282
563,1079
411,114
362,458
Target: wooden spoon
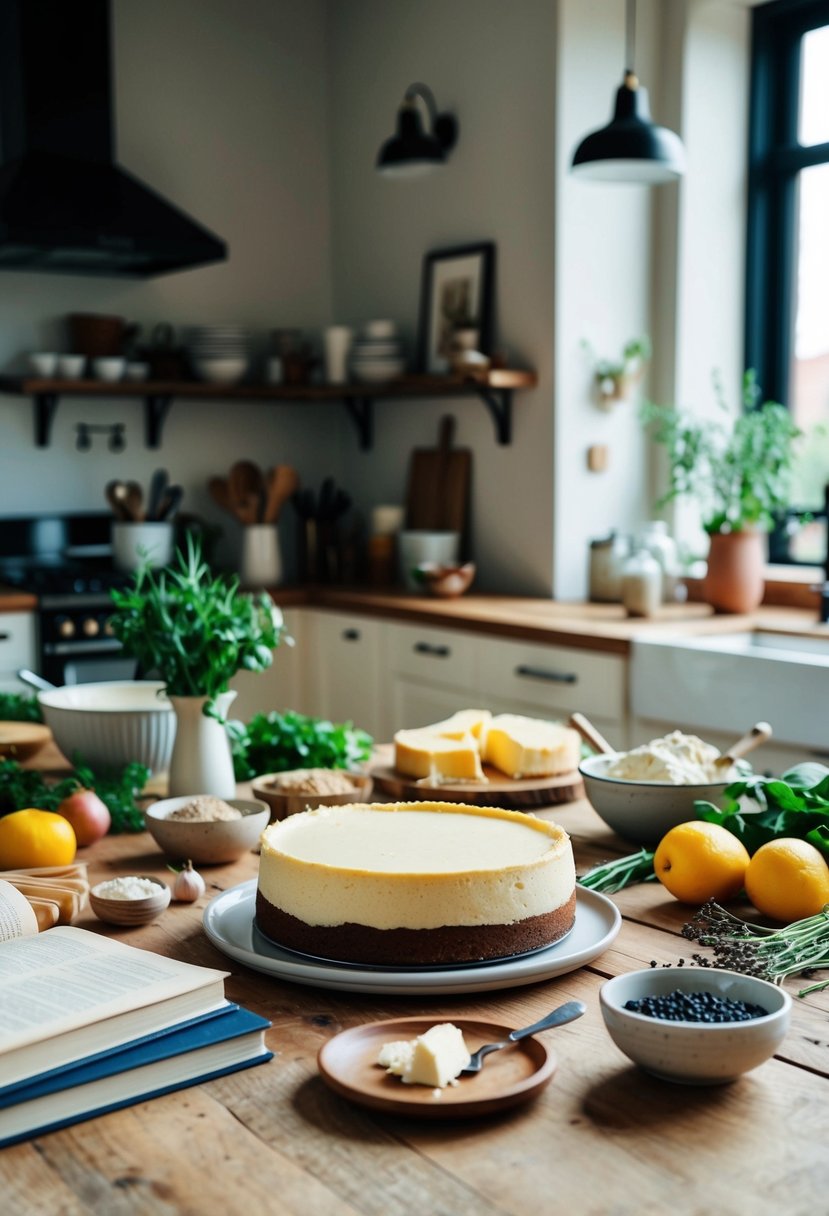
x,y
590,735
246,483
116,496
134,501
746,743
219,491
282,482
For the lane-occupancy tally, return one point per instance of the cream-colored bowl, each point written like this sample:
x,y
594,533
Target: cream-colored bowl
x,y
130,911
643,811
283,803
695,1053
206,841
112,723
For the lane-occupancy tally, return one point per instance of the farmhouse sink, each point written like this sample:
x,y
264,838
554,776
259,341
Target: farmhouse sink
x,y
727,681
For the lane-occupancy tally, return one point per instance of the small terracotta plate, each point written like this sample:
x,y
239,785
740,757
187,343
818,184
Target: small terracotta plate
x,y
20,740
509,1077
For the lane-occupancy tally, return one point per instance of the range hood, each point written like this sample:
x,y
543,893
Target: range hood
x,y
65,205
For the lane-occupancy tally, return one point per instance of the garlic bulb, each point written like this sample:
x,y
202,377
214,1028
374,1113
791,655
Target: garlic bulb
x,y
189,885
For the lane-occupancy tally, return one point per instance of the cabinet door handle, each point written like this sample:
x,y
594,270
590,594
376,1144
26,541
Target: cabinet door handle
x,y
351,635
554,677
436,652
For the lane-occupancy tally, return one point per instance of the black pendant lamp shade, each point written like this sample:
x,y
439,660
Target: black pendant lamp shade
x,y
632,147
412,151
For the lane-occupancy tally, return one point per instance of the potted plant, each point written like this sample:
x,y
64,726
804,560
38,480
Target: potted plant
x,y
739,472
195,630
614,378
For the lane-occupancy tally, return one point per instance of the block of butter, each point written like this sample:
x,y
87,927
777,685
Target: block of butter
x,y
430,757
529,747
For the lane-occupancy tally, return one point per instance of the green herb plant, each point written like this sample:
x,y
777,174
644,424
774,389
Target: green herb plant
x,y
759,809
738,470
192,629
118,788
19,707
275,742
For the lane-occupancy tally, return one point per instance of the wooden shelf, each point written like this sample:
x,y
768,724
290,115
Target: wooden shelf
x,y
494,388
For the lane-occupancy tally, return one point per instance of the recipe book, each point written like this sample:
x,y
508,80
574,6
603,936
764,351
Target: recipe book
x,y
68,993
187,1054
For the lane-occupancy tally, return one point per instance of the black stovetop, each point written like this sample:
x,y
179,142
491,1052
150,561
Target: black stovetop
x,y
59,554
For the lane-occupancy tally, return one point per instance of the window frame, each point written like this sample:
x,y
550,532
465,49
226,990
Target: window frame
x,y
775,158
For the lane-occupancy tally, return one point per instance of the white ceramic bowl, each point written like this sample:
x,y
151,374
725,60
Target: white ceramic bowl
x,y
695,1053
110,369
113,723
643,811
221,371
414,547
206,842
71,367
43,363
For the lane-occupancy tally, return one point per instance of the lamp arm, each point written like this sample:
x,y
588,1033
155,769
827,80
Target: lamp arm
x,y
426,95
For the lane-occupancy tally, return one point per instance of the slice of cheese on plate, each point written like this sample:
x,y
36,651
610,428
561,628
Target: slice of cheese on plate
x,y
529,747
429,757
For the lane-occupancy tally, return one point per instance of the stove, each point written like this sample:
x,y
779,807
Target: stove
x,y
66,561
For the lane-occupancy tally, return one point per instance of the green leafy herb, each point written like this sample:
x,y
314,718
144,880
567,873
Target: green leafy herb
x,y
759,809
771,954
275,742
623,872
738,471
194,629
19,707
118,788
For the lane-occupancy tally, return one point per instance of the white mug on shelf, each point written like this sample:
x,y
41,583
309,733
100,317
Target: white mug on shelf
x,y
337,340
261,558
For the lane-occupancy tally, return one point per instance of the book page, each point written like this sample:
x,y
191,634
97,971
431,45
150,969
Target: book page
x,y
65,978
17,916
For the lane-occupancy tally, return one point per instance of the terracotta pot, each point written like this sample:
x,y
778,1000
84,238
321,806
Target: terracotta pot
x,y
734,581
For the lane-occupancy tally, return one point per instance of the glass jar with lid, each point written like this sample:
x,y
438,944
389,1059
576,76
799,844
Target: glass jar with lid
x,y
656,540
642,584
607,560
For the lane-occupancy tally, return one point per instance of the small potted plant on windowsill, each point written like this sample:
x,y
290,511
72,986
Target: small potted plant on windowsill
x,y
739,474
195,630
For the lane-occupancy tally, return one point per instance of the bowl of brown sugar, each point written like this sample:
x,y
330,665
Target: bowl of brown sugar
x,y
205,829
301,789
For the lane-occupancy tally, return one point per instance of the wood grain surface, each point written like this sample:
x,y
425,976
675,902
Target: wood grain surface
x,y
603,1138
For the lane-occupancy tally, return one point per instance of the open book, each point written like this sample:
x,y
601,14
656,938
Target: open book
x,y
68,993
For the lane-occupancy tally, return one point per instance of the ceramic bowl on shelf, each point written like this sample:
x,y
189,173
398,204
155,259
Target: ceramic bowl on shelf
x,y
446,582
110,369
206,841
221,370
275,789
643,811
43,363
695,1053
132,911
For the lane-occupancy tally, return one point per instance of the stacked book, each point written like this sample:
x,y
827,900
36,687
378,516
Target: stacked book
x,y
89,1024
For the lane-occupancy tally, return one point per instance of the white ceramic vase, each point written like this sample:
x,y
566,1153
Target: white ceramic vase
x,y
201,762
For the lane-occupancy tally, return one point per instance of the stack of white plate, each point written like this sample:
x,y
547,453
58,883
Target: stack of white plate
x,y
378,353
220,353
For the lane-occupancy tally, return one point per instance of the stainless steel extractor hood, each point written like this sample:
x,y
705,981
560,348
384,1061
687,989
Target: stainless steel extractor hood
x,y
65,205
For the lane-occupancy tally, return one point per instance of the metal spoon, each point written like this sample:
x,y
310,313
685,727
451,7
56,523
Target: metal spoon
x,y
564,1013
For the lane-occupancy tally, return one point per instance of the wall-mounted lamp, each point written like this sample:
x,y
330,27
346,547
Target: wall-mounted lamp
x,y
411,151
632,147
115,431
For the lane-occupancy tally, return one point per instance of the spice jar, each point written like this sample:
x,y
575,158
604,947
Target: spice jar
x,y
642,584
656,539
607,561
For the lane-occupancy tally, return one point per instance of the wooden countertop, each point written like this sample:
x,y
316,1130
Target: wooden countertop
x,y
603,1137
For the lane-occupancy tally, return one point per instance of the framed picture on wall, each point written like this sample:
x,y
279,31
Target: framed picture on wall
x,y
456,301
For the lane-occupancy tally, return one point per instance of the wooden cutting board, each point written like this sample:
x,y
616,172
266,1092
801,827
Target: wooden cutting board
x,y
525,795
437,498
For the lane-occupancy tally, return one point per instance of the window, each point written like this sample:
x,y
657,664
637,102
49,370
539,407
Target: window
x,y
787,266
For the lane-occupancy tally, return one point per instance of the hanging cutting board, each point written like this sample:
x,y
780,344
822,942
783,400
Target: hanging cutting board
x,y
437,498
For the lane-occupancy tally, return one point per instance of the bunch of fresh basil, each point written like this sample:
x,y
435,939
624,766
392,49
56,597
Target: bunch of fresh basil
x,y
759,809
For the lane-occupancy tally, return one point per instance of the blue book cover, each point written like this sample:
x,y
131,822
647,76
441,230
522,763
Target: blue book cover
x,y
187,1054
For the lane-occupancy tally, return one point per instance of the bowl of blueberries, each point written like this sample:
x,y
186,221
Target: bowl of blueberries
x,y
695,1025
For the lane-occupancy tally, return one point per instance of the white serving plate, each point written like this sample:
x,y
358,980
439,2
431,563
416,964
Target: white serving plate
x,y
229,923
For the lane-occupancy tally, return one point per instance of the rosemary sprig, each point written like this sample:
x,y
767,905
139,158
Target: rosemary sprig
x,y
770,954
612,876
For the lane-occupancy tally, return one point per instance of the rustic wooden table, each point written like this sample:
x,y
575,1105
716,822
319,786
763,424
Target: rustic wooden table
x,y
603,1138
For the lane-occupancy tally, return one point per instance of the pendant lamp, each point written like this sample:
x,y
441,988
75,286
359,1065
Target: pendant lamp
x,y
412,151
632,147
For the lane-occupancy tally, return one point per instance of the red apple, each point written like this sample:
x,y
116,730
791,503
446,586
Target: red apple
x,y
88,815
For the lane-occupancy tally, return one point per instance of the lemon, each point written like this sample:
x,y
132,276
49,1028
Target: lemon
x,y
697,861
35,838
788,879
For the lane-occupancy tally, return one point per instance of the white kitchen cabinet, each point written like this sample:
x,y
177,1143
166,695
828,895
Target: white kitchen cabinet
x,y
553,682
341,653
429,673
283,685
18,648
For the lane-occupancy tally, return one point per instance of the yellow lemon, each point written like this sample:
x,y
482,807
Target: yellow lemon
x,y
35,838
697,861
788,879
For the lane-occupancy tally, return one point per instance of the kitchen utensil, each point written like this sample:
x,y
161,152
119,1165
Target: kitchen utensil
x,y
134,501
116,495
759,733
437,496
281,483
170,502
559,1017
158,487
590,735
247,490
